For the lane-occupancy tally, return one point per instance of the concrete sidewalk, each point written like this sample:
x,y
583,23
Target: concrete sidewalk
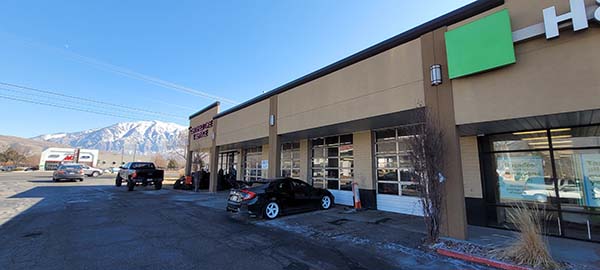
x,y
393,233
562,249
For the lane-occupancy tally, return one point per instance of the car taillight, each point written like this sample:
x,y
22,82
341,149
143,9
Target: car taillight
x,y
61,171
134,175
247,195
81,172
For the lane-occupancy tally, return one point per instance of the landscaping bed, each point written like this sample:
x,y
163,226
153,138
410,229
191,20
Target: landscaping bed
x,y
486,255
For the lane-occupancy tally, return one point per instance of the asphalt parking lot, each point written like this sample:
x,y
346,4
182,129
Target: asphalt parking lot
x,y
94,225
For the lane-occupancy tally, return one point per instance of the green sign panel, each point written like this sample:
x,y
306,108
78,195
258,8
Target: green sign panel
x,y
480,45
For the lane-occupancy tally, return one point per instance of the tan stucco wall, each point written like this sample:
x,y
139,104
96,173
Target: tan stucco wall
x,y
363,160
389,82
204,143
550,76
470,167
304,160
246,124
265,156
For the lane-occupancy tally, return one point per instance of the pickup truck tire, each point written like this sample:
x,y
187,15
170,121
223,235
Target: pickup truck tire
x,y
157,185
118,181
130,185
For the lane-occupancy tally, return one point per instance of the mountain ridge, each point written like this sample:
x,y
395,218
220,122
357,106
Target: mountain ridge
x,y
142,137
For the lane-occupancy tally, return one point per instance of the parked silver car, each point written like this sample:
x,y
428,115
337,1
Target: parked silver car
x,y
91,171
69,172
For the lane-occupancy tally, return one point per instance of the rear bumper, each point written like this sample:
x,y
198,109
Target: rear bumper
x,y
146,181
244,208
68,176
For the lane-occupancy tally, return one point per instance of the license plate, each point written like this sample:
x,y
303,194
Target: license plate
x,y
234,198
149,179
71,173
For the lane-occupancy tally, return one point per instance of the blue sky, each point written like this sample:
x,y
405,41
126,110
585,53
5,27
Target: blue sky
x,y
231,49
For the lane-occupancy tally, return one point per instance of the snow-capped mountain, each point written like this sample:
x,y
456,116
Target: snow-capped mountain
x,y
148,136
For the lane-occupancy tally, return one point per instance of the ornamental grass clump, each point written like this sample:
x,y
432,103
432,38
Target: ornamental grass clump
x,y
530,247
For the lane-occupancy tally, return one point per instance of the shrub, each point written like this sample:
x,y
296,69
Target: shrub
x,y
530,247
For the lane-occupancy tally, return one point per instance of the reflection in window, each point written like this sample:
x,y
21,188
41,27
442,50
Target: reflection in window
x,y
333,162
578,177
290,160
395,173
524,176
252,163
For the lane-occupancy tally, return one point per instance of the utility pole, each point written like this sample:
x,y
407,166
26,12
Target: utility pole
x,y
122,154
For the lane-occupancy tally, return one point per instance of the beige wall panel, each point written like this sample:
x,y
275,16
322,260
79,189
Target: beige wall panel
x,y
304,160
265,156
524,13
246,124
205,142
470,167
363,160
550,76
389,82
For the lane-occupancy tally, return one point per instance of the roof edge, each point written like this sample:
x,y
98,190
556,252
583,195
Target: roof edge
x,y
216,103
452,17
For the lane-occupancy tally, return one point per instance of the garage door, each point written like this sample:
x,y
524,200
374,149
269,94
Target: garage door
x,y
343,197
400,204
397,190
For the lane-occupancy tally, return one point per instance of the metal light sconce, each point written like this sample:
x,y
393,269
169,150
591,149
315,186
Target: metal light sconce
x,y
271,120
436,74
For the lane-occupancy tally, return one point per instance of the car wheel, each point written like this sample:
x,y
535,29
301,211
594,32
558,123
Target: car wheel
x,y
54,179
157,185
118,181
326,202
130,185
95,174
272,210
80,179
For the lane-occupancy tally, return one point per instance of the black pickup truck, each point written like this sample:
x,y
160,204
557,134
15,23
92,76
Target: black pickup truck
x,y
143,173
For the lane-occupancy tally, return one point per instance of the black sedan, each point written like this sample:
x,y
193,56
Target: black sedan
x,y
278,197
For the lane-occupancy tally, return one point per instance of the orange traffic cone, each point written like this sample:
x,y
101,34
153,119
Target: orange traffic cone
x,y
357,204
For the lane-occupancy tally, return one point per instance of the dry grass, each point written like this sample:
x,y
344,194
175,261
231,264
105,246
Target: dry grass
x,y
530,247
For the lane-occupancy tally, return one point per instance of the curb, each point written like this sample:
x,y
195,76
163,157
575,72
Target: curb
x,y
479,260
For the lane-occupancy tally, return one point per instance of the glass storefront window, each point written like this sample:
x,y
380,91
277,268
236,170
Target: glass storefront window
x,y
524,176
290,160
557,168
526,140
578,177
332,166
576,137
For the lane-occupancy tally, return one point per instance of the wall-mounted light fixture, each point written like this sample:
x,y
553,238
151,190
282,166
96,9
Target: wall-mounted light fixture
x,y
436,74
212,135
271,120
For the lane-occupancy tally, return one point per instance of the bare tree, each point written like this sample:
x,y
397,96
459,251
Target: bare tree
x,y
159,161
180,145
427,156
12,155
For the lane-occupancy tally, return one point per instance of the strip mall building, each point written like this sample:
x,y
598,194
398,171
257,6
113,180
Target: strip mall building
x,y
514,84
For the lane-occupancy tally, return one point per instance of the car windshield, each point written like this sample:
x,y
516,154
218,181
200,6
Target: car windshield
x,y
69,167
142,166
